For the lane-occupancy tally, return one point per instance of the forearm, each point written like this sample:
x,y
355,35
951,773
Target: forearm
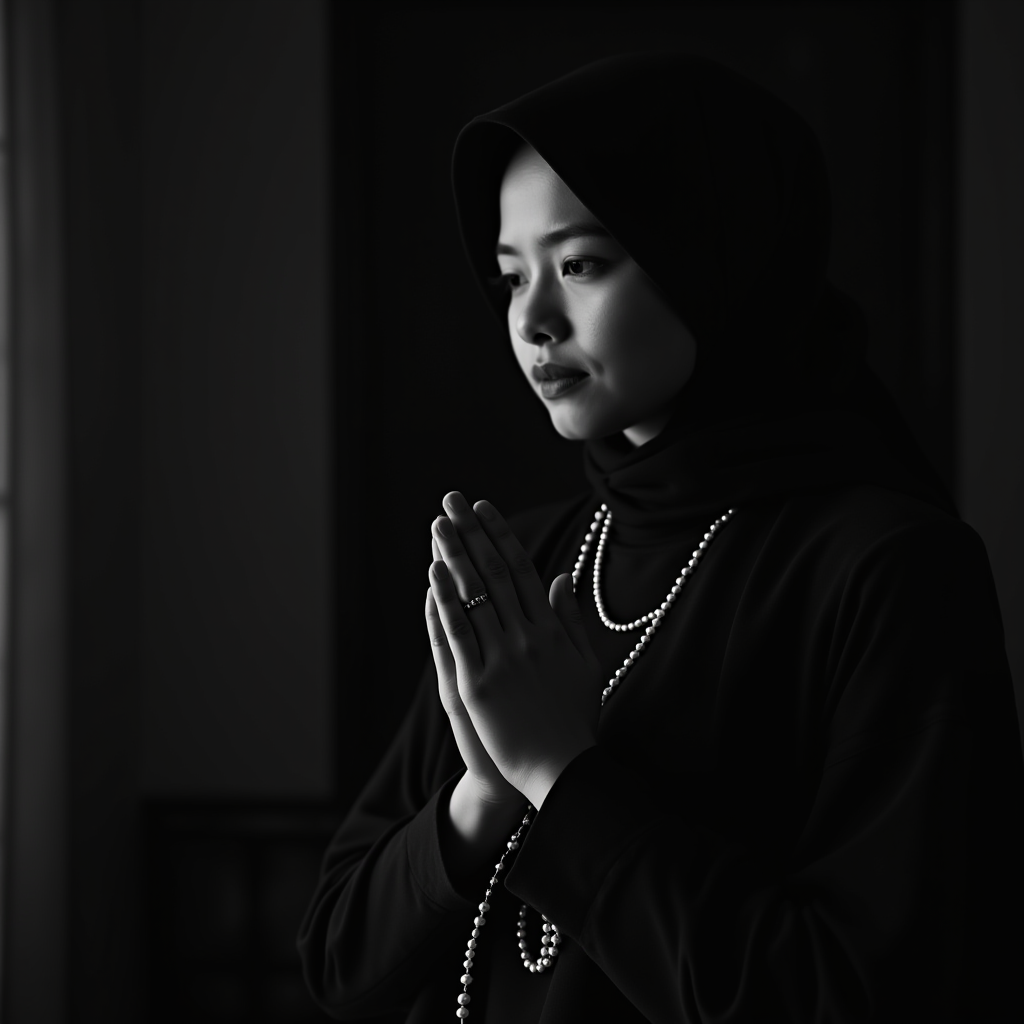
x,y
380,916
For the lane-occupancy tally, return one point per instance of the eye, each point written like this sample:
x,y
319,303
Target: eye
x,y
511,280
581,267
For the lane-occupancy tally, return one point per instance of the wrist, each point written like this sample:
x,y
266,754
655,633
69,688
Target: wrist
x,y
543,780
475,816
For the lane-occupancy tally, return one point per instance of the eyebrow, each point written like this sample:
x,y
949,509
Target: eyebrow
x,y
559,235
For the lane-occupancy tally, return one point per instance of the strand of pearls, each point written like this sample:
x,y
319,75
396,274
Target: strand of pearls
x,y
653,619
551,938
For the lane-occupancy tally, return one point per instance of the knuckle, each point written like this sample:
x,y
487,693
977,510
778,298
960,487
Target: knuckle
x,y
574,614
522,564
477,692
460,629
496,567
500,529
475,588
529,646
448,691
468,525
438,639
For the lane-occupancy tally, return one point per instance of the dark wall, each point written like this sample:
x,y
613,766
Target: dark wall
x,y
237,512
430,397
193,156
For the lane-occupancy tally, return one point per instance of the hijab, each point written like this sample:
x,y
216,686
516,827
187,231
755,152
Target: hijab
x,y
718,190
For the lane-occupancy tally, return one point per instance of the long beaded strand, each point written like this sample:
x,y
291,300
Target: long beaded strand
x,y
551,939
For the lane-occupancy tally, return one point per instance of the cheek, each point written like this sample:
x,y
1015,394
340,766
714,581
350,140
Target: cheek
x,y
640,338
525,354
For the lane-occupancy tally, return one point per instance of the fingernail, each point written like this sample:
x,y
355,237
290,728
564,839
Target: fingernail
x,y
456,503
440,570
444,526
483,509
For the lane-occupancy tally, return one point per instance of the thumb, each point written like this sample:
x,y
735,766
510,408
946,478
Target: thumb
x,y
567,609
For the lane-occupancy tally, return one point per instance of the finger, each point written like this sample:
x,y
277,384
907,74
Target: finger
x,y
444,660
462,639
436,550
532,596
567,608
470,584
488,563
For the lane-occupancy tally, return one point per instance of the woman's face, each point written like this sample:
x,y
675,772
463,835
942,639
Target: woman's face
x,y
597,343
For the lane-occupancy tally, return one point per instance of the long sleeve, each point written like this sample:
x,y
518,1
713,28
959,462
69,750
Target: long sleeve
x,y
896,896
384,910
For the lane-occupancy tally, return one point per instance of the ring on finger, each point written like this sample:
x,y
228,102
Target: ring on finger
x,y
476,600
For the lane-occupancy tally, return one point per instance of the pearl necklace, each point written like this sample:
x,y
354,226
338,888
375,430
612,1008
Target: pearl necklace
x,y
551,938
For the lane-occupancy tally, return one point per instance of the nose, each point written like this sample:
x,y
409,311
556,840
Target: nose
x,y
541,319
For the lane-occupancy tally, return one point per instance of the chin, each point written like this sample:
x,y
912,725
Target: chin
x,y
575,427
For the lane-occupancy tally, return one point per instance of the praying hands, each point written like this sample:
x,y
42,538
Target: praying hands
x,y
516,672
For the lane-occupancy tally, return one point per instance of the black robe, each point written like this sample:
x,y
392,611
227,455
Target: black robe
x,y
807,799
805,802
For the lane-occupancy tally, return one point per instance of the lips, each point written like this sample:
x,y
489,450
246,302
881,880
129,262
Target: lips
x,y
555,371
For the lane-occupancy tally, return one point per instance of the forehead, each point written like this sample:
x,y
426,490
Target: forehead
x,y
534,198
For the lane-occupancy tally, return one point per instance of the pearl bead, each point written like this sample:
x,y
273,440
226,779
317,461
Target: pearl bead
x,y
675,589
462,1012
464,998
466,979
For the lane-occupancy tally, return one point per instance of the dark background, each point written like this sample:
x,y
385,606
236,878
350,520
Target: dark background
x,y
265,364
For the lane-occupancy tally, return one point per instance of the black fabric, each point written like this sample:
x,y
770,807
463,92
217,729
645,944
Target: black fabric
x,y
805,805
807,800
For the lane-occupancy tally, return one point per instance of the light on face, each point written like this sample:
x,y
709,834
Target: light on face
x,y
580,305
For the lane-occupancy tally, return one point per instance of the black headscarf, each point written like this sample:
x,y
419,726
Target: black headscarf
x,y
719,192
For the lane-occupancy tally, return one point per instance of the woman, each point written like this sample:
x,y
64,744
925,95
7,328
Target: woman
x,y
768,750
